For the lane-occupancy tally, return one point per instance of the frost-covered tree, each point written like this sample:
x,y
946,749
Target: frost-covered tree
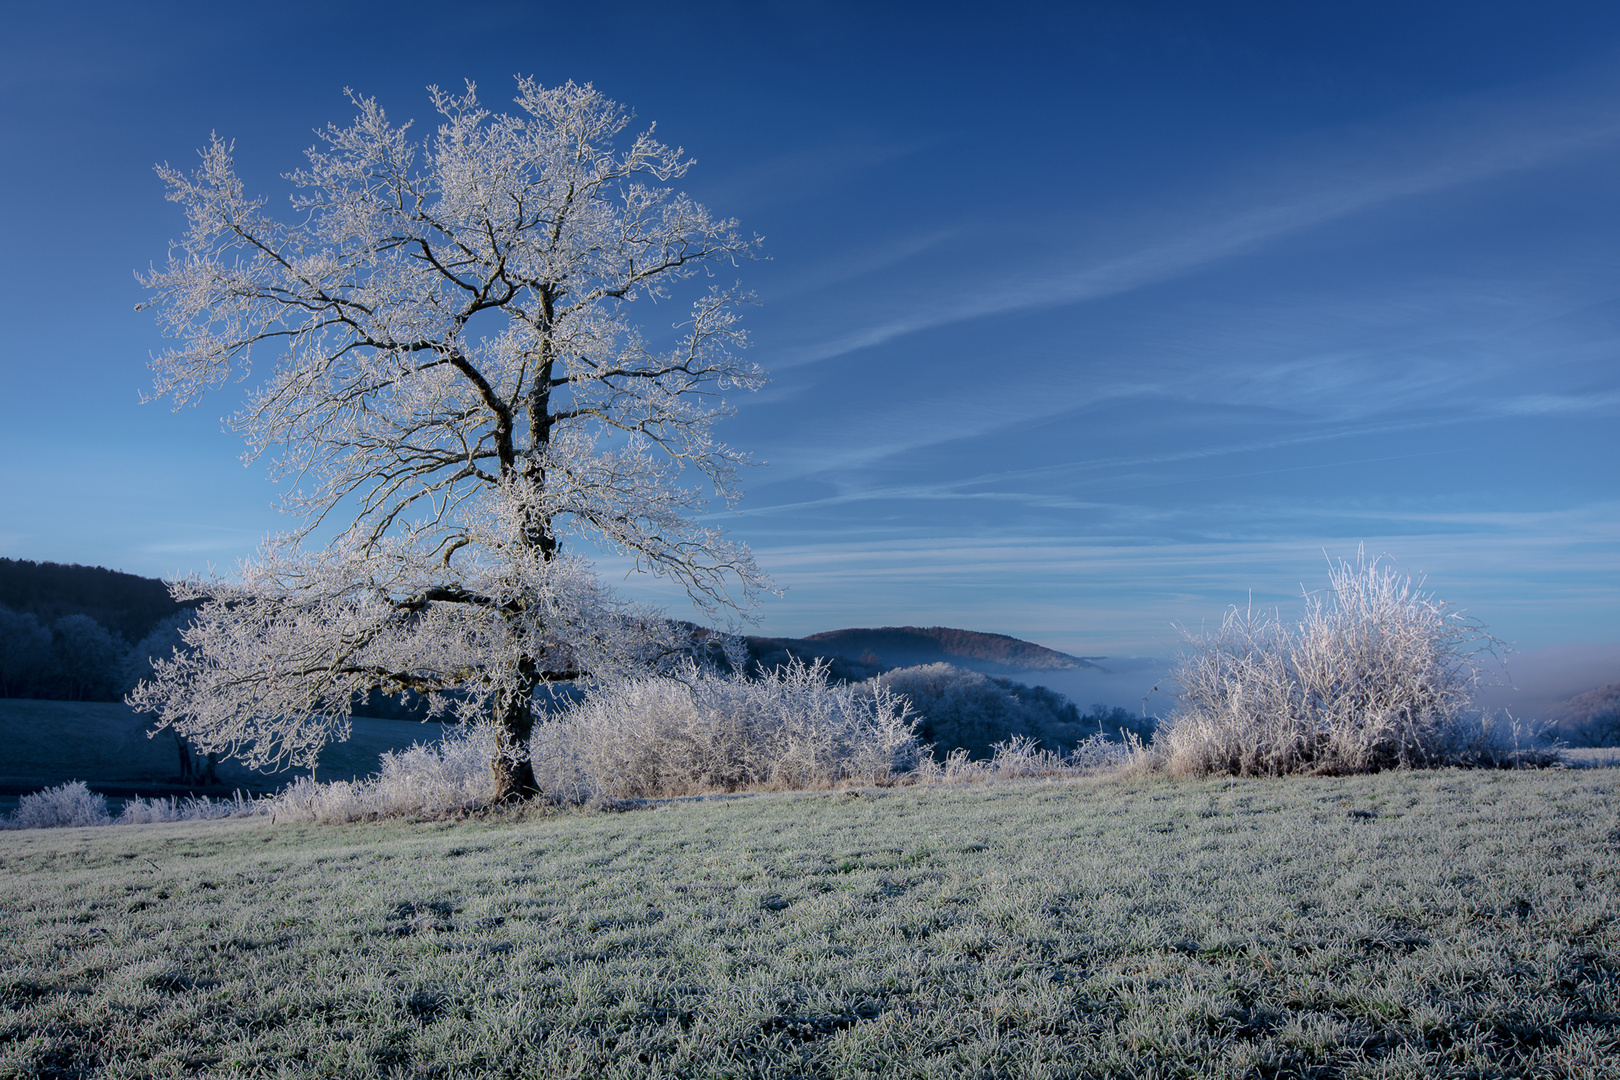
x,y
458,388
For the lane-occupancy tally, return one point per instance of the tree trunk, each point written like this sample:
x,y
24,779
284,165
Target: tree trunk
x,y
186,772
514,723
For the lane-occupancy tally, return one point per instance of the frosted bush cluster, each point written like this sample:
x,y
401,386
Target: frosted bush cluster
x,y
63,806
1380,675
452,774
1023,758
196,808
74,805
708,732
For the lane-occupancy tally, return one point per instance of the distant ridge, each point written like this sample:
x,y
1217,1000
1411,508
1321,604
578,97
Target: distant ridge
x,y
129,604
1583,708
861,652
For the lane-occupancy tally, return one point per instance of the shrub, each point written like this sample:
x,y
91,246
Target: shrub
x,y
139,811
64,806
449,775
1022,758
704,732
1379,675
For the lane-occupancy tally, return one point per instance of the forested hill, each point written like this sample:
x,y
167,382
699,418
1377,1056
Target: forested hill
x,y
126,604
1584,708
866,651
1589,719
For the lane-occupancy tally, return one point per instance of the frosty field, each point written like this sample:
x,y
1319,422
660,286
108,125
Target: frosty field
x,y
1403,924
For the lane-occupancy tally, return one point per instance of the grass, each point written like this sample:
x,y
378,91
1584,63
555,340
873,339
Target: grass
x,y
1401,924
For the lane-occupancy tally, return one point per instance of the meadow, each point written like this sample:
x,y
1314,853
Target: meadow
x,y
1411,923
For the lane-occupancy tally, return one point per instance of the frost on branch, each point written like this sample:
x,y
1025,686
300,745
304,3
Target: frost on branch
x,y
456,388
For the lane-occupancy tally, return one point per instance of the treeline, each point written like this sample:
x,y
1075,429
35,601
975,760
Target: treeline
x,y
80,633
75,658
126,605
974,711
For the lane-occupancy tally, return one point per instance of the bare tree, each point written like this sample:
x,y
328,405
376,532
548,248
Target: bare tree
x,y
458,388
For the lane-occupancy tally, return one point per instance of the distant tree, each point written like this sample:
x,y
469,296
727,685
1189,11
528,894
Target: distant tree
x,y
85,660
25,653
1117,722
461,389
1602,729
973,711
163,642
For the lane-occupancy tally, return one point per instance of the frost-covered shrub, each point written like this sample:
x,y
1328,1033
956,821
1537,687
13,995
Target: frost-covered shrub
x,y
1021,758
1379,675
64,806
706,732
139,811
435,778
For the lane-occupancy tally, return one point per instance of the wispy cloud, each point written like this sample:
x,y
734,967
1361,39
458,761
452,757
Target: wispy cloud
x,y
1120,594
1467,143
849,464
807,171
858,264
1551,404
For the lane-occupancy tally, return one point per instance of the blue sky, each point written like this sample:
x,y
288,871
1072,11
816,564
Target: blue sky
x,y
1082,319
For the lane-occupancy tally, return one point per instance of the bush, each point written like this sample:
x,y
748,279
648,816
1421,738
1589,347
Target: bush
x,y
1021,758
64,806
1380,675
139,811
449,775
704,732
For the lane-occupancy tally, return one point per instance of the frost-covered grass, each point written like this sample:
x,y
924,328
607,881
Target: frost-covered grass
x,y
1419,923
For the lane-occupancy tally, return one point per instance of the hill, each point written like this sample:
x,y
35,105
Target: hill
x,y
129,605
860,653
1583,708
1589,719
126,604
